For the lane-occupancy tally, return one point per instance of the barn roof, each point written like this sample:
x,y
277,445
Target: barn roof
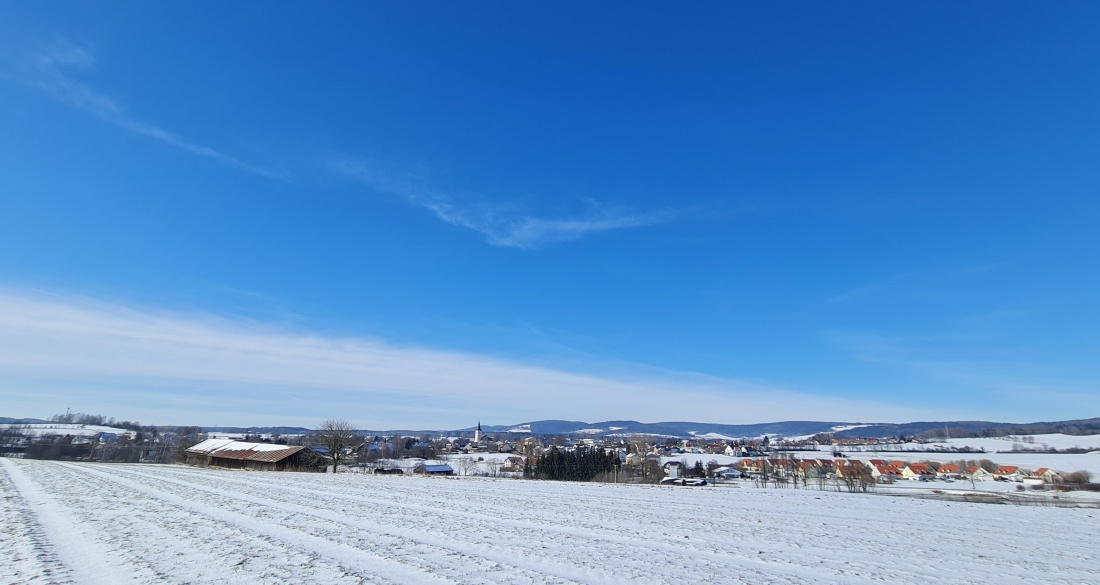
x,y
229,449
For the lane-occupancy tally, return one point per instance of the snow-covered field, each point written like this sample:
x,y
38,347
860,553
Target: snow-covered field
x,y
993,446
1051,441
104,523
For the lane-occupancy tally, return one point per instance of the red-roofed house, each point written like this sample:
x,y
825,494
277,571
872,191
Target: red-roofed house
x,y
918,472
949,471
1047,476
751,465
1008,473
885,473
976,473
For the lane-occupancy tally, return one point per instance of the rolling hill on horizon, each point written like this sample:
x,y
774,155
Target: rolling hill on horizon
x,y
688,429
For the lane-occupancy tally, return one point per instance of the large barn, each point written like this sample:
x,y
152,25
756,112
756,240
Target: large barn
x,y
257,456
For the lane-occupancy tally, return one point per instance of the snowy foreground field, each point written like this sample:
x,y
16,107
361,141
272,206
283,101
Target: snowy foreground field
x,y
103,523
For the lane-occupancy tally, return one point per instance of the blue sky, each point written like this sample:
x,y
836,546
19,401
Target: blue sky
x,y
426,216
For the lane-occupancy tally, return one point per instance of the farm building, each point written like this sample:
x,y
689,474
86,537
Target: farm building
x,y
424,469
256,456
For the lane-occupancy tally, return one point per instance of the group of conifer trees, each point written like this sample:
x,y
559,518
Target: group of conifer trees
x,y
580,464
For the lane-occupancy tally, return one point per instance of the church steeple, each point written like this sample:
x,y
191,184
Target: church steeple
x,y
477,433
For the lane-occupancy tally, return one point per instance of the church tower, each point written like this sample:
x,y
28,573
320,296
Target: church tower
x,y
477,433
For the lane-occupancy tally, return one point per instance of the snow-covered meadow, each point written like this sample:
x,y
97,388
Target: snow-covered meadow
x,y
105,523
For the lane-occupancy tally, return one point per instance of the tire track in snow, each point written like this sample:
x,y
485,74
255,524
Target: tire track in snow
x,y
337,552
768,536
589,538
78,548
172,544
466,552
26,554
779,535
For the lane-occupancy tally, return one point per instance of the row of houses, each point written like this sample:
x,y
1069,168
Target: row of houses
x,y
884,470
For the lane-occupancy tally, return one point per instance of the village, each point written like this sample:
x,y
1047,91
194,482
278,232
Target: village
x,y
821,461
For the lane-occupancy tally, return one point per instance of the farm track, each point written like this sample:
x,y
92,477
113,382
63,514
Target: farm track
x,y
174,524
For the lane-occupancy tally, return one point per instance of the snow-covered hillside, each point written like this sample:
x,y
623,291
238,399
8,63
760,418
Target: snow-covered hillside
x,y
75,430
88,523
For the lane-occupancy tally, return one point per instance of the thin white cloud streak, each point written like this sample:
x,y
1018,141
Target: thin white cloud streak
x,y
67,347
998,378
501,225
46,71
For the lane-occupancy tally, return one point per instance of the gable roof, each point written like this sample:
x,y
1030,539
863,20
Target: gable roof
x,y
230,449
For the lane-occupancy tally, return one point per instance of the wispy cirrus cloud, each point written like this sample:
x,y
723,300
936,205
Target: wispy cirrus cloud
x,y
50,71
55,71
501,224
60,351
971,366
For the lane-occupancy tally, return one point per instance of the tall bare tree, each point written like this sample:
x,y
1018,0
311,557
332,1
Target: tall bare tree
x,y
335,435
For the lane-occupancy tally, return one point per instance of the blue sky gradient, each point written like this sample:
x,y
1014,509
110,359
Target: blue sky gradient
x,y
724,212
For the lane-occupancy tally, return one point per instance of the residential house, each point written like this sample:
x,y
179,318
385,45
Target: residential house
x,y
1008,473
752,465
808,468
885,473
1047,476
512,464
976,473
849,467
918,472
949,471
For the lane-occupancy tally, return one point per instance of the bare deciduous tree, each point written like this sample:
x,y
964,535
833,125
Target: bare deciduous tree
x,y
335,435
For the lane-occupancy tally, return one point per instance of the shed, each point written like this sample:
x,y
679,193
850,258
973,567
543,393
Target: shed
x,y
425,469
257,456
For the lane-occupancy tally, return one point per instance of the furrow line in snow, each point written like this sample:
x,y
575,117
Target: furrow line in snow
x,y
479,532
333,552
174,544
486,553
567,518
78,547
793,532
545,529
26,554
